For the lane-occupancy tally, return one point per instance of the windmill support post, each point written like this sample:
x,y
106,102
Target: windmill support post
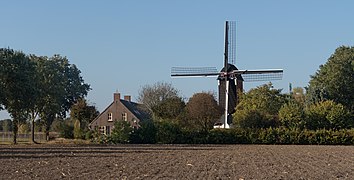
x,y
226,125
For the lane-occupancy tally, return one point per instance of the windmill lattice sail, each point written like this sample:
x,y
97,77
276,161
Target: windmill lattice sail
x,y
193,71
258,75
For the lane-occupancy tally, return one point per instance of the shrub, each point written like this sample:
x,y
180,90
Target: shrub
x,y
78,133
167,132
66,131
222,136
145,134
291,115
89,135
328,115
249,119
121,133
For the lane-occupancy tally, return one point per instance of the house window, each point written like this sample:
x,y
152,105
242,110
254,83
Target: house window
x,y
108,130
124,116
110,117
102,129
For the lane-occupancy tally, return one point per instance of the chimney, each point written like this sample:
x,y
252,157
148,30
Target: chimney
x,y
128,98
116,97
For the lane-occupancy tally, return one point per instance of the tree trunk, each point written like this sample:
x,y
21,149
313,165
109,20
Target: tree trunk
x,y
46,135
47,127
14,130
48,122
32,131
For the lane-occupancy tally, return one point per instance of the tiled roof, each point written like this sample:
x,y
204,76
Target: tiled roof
x,y
138,110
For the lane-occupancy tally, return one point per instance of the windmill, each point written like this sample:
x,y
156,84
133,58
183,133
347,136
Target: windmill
x,y
230,78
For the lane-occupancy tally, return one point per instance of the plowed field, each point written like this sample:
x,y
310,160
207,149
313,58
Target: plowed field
x,y
176,162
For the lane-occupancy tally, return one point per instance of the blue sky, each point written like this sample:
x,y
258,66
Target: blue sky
x,y
123,45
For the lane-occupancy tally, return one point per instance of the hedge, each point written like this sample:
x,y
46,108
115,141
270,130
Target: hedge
x,y
172,134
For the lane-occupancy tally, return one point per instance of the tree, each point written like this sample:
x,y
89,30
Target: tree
x,y
83,113
335,79
203,111
38,86
170,108
152,95
329,115
17,77
61,86
265,102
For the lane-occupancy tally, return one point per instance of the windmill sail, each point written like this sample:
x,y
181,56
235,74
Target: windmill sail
x,y
194,71
231,42
257,75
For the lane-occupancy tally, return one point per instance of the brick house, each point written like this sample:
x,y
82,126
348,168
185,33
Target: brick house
x,y
119,110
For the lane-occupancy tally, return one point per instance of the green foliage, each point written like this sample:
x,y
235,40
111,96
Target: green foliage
x,y
259,107
202,111
335,79
89,135
328,115
121,133
145,134
66,131
226,136
55,127
250,119
169,108
65,128
98,137
168,132
38,86
61,87
273,136
18,85
83,115
190,136
291,115
6,125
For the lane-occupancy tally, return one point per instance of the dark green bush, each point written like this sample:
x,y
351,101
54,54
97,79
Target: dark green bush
x,y
168,132
145,134
66,131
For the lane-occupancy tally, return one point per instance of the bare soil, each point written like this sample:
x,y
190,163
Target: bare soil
x,y
176,162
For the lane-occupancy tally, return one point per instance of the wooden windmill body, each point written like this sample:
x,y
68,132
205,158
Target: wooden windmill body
x,y
230,78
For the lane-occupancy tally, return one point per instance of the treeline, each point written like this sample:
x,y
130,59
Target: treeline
x,y
322,113
38,89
